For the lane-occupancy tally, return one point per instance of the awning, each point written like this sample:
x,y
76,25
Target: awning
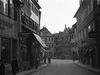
x,y
40,40
44,50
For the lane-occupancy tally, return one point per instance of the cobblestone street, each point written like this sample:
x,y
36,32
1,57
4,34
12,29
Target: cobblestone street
x,y
63,67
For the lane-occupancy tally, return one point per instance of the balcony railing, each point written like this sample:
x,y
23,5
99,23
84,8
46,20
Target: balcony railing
x,y
29,22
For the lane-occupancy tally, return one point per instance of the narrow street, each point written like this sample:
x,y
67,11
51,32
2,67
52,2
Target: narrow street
x,y
63,67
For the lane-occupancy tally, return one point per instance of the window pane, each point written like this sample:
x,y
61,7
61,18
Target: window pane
x,y
89,28
4,6
11,9
98,2
1,6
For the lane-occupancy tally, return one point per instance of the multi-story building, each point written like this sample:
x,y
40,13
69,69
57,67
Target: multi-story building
x,y
62,44
29,28
73,37
8,32
88,28
48,38
19,32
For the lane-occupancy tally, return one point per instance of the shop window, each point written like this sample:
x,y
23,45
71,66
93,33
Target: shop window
x,y
6,50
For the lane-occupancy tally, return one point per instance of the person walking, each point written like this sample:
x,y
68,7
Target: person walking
x,y
14,66
45,56
2,68
49,59
37,63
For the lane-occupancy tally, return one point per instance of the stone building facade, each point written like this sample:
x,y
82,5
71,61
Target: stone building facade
x,y
19,29
87,28
73,40
48,38
8,33
30,42
62,44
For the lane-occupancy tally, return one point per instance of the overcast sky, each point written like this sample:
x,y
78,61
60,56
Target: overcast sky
x,y
57,13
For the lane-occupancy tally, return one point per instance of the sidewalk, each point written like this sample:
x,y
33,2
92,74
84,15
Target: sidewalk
x,y
88,67
31,71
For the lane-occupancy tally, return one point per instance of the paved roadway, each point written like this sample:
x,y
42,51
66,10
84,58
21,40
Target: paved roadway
x,y
63,67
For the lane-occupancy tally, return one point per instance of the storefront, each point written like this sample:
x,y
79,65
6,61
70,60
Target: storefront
x,y
30,52
6,50
8,42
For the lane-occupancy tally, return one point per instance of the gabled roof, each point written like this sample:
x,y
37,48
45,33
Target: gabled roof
x,y
46,32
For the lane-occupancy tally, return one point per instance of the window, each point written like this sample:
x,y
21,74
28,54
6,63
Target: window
x,y
52,45
34,9
91,28
4,7
11,9
91,5
24,18
28,3
84,33
36,0
45,39
79,36
98,2
88,9
52,40
7,8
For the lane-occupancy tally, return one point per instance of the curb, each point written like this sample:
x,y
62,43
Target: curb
x,y
89,68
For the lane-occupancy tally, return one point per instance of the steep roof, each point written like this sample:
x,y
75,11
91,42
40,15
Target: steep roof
x,y
45,32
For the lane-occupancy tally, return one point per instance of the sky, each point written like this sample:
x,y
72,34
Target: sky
x,y
56,13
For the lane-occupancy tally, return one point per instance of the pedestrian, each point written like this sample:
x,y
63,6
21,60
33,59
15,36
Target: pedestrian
x,y
49,59
2,68
45,58
37,63
14,66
